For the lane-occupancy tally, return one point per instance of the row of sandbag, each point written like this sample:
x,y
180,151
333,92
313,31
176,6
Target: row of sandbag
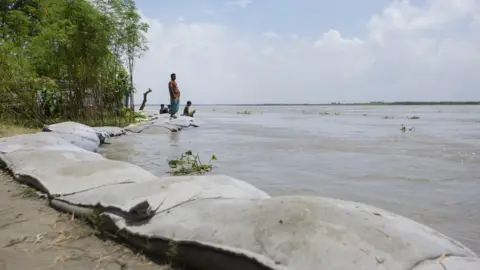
x,y
218,222
90,139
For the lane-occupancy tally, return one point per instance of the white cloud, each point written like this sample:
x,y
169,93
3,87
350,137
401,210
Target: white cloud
x,y
409,53
209,11
180,19
242,3
271,35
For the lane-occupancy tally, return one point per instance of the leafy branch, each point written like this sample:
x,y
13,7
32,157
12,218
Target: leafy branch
x,y
190,164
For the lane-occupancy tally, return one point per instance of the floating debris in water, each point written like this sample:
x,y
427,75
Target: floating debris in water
x,y
245,112
404,128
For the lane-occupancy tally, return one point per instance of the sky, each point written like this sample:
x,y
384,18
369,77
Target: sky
x,y
311,51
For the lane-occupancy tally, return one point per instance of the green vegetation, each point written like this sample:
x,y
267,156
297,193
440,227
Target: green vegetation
x,y
7,130
172,252
65,60
327,113
403,128
189,164
128,113
245,112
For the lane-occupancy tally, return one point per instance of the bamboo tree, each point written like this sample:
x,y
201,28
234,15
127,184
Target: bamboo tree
x,y
136,41
63,59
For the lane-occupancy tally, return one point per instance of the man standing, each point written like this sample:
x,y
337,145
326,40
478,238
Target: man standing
x,y
174,95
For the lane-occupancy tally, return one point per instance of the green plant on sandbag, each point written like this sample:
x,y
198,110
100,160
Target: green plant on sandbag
x,y
140,115
190,164
172,251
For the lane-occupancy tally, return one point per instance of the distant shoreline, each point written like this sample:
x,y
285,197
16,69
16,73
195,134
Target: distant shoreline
x,y
396,103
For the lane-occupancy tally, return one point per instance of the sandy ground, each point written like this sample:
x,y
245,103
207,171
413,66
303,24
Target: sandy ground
x,y
35,236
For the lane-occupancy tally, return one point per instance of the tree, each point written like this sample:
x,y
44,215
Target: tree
x,y
63,59
144,102
136,41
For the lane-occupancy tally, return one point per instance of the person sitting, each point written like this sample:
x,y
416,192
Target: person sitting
x,y
163,110
186,110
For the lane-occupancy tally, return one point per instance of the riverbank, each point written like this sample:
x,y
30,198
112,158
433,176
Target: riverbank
x,y
36,236
150,213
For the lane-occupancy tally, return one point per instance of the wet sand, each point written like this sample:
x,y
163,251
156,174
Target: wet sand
x,y
35,236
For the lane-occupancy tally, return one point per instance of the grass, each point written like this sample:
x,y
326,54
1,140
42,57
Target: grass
x,y
11,127
190,164
7,130
13,124
172,252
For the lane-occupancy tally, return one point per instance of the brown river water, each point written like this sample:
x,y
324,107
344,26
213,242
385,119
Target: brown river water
x,y
430,174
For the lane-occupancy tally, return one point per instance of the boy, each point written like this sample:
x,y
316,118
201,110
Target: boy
x,y
163,110
186,110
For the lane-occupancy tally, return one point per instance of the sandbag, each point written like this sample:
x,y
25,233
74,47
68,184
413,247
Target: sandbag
x,y
449,263
150,114
78,141
182,121
294,233
74,128
37,141
143,200
159,128
110,131
137,128
65,172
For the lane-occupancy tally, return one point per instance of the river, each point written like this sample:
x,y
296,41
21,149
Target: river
x,y
430,174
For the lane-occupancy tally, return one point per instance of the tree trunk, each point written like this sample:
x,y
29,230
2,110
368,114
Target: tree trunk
x,y
132,95
145,99
126,100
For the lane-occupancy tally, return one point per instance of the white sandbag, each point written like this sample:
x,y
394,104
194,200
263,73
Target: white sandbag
x,y
294,233
37,141
110,131
182,121
172,128
61,173
142,200
151,114
449,263
137,128
74,128
31,167
159,127
77,141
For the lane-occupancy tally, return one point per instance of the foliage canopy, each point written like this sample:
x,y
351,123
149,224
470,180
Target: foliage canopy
x,y
68,59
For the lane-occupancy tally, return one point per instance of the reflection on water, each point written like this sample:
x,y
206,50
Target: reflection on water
x,y
431,175
174,137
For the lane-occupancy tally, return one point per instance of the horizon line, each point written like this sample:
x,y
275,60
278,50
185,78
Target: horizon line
x,y
337,103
